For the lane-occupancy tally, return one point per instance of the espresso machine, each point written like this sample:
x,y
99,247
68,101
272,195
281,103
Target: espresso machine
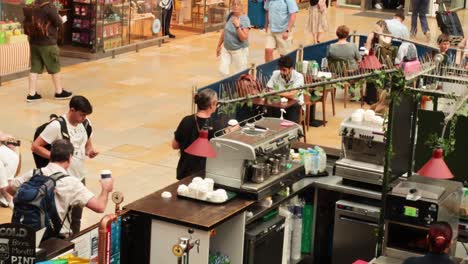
x,y
363,153
253,160
411,207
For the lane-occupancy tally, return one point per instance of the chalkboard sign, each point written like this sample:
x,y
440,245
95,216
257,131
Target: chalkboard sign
x,y
17,244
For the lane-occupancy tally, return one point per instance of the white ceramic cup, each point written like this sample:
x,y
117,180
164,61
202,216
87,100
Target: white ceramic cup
x,y
210,184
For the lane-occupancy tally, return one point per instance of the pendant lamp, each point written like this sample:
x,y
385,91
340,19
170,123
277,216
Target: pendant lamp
x,y
201,146
436,167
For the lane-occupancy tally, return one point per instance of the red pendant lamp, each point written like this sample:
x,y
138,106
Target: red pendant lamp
x,y
436,167
201,146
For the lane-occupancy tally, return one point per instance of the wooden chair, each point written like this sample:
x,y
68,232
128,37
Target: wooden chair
x,y
340,68
313,99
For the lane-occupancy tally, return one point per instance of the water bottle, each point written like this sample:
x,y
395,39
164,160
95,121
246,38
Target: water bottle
x,y
297,233
315,68
315,161
308,162
322,159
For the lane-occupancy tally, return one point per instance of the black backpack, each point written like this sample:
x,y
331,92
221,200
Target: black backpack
x,y
35,204
35,22
41,161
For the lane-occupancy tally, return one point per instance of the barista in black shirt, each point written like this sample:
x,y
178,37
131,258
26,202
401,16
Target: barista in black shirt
x,y
187,133
439,240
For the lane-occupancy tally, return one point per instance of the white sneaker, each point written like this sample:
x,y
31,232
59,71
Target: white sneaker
x,y
378,6
3,201
400,7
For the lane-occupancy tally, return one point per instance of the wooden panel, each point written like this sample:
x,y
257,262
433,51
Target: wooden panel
x,y
187,212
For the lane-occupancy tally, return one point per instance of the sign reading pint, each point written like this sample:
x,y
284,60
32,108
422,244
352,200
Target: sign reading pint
x,y
17,244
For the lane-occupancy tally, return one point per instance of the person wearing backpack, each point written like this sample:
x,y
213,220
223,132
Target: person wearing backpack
x,y
63,192
41,23
70,126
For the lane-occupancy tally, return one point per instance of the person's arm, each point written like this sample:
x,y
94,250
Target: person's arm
x,y
17,181
370,37
54,16
90,151
242,33
220,44
292,20
51,132
357,55
175,144
38,147
98,204
298,82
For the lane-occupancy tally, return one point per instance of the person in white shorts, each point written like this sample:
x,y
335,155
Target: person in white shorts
x,y
9,161
233,44
280,18
79,109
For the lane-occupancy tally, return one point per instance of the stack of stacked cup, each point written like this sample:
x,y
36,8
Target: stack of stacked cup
x,y
203,189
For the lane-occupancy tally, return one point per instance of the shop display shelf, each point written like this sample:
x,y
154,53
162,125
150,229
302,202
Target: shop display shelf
x,y
258,210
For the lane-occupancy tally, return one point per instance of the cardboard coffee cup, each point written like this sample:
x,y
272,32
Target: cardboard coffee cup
x,y
106,174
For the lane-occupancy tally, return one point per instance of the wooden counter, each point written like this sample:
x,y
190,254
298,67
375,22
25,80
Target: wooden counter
x,y
187,212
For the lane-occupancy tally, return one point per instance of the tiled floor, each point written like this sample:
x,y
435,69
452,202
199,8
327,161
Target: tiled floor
x,y
139,98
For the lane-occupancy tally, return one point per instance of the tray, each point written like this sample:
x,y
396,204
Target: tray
x,y
320,174
230,195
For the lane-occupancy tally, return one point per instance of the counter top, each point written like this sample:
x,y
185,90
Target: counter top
x,y
334,183
187,212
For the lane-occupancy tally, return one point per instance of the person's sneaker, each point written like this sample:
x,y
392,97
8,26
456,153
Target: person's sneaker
x,y
3,201
33,98
378,6
428,35
63,95
400,7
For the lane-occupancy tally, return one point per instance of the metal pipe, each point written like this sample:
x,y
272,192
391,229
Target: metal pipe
x,y
307,86
103,238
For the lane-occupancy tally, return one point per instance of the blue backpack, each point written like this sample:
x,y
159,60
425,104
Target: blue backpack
x,y
35,204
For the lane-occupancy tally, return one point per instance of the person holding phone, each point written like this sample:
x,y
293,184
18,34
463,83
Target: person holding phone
x,y
233,44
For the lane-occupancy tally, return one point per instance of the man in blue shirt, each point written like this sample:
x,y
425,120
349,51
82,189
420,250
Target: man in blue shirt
x,y
280,18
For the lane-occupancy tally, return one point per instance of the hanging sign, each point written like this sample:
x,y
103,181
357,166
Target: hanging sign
x,y
17,244
156,26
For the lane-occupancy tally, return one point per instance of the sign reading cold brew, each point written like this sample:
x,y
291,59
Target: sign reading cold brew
x,y
17,244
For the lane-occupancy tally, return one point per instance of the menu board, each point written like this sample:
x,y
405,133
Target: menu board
x,y
17,244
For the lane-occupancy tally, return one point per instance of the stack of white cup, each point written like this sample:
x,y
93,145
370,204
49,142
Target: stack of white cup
x,y
202,189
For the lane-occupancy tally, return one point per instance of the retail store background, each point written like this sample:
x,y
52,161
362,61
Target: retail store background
x,y
139,98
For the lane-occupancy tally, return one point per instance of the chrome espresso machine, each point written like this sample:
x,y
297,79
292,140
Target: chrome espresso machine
x,y
411,207
254,160
363,153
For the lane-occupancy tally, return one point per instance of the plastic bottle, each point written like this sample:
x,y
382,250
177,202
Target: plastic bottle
x,y
322,159
297,233
315,161
308,162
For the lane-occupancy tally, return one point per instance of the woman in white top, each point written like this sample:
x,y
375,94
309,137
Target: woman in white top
x,y
9,161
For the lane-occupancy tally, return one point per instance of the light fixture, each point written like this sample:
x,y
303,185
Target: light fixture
x,y
201,146
436,167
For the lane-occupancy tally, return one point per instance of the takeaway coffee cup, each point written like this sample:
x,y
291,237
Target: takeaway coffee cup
x,y
106,174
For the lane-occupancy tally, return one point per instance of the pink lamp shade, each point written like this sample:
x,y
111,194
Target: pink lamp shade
x,y
201,146
436,167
